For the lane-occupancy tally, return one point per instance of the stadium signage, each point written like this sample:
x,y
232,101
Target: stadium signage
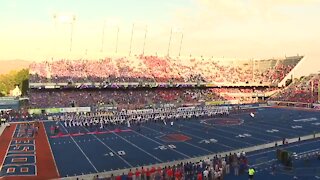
x,y
75,109
215,102
59,110
140,111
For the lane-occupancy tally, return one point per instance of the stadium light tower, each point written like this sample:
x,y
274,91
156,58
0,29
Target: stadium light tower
x,y
175,31
180,43
144,41
131,39
169,42
110,23
117,39
66,19
138,26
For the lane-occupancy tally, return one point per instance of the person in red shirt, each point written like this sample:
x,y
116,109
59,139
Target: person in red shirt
x,y
143,173
199,176
118,177
130,174
178,175
148,174
152,172
169,173
137,174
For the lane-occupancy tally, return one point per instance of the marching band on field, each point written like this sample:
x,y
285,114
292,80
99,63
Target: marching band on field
x,y
128,117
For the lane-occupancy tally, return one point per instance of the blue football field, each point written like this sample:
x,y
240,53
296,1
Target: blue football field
x,y
119,147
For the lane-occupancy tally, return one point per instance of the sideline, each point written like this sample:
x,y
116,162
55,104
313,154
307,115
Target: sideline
x,y
197,159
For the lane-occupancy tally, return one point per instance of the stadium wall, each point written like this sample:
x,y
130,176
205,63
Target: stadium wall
x,y
39,111
294,104
291,74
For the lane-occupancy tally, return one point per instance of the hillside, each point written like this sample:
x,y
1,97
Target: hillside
x,y
9,65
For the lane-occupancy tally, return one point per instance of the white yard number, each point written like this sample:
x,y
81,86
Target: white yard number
x,y
162,147
112,154
121,153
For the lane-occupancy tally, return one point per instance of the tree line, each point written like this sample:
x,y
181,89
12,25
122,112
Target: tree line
x,y
12,79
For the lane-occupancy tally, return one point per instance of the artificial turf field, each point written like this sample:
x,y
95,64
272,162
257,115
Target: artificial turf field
x,y
81,150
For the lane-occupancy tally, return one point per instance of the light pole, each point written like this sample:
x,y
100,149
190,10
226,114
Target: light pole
x,y
68,19
169,42
131,39
71,34
110,23
102,38
117,39
180,43
172,32
144,41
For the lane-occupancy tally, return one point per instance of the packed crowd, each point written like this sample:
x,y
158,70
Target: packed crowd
x,y
215,168
162,69
15,115
305,90
136,98
130,98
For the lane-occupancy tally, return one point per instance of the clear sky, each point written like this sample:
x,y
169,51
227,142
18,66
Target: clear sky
x,y
220,28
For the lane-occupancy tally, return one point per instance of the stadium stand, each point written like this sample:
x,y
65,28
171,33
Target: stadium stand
x,y
136,98
154,68
305,90
230,79
142,82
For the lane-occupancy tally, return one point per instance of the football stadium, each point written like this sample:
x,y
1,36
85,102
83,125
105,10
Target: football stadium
x,y
153,116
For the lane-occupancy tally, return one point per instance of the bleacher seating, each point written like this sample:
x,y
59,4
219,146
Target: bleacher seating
x,y
162,69
153,69
122,98
304,90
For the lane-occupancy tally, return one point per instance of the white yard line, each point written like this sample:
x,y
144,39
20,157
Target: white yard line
x,y
161,144
232,133
183,142
80,149
154,157
113,151
54,160
272,160
231,139
289,146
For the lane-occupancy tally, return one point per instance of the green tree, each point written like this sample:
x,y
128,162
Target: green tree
x,y
12,79
22,79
